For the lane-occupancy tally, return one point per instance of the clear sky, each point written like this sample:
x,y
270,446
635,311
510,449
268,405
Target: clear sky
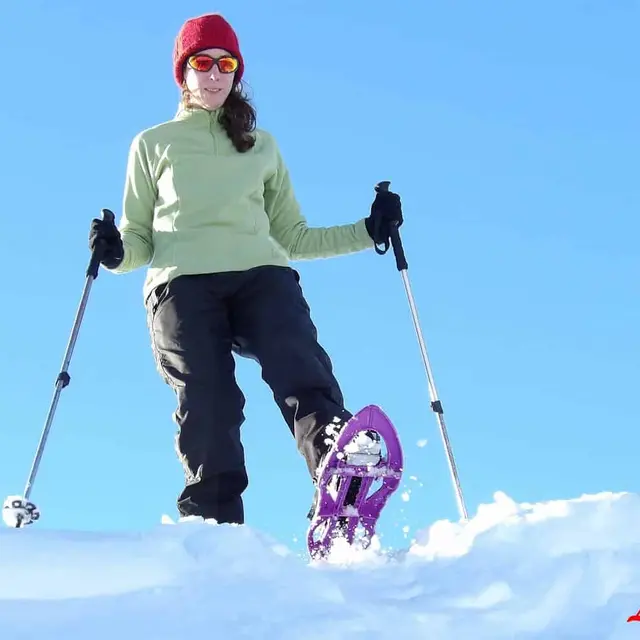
x,y
511,132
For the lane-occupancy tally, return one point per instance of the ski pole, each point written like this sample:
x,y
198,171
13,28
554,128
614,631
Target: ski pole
x,y
23,510
436,404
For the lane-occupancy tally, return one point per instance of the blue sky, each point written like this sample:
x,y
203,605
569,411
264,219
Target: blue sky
x,y
511,133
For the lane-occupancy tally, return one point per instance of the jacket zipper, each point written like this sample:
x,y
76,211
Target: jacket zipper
x,y
213,136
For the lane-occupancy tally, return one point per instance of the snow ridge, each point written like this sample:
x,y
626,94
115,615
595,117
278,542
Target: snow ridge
x,y
557,570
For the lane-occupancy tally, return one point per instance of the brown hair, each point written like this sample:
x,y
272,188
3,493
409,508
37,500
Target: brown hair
x,y
238,117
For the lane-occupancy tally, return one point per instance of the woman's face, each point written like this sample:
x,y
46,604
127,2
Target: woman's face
x,y
209,87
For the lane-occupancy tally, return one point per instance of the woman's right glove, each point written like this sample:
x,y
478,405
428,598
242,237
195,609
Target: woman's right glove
x,y
386,211
105,233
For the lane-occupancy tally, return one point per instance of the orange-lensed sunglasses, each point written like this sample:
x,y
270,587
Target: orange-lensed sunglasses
x,y
203,62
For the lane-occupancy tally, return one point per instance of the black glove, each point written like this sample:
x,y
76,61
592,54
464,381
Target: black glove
x,y
106,234
386,211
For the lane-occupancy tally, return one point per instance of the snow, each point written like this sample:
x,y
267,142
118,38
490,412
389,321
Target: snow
x,y
16,511
560,570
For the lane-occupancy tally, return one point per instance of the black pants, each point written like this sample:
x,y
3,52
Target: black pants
x,y
197,323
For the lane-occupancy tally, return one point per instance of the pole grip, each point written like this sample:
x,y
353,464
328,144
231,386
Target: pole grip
x,y
398,249
394,232
98,252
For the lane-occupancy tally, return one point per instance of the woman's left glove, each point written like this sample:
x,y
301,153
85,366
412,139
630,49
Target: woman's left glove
x,y
106,232
386,211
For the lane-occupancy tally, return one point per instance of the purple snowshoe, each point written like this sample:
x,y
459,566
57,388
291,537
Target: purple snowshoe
x,y
347,503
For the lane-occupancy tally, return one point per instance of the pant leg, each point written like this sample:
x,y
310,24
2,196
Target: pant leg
x,y
271,322
191,340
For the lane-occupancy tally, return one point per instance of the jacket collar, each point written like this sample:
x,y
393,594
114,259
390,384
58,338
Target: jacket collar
x,y
197,114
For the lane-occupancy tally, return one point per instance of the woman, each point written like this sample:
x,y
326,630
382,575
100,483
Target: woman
x,y
209,206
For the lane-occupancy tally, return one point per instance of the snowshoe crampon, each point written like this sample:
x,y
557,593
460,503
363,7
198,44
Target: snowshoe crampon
x,y
352,488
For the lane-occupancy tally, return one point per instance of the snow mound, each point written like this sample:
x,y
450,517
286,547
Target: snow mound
x,y
557,570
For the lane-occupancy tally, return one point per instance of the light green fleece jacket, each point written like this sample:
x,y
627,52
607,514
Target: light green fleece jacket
x,y
193,204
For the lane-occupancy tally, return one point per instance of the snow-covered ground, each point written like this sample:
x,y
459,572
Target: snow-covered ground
x,y
562,570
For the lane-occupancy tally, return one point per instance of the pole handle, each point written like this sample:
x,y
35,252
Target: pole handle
x,y
394,233
98,252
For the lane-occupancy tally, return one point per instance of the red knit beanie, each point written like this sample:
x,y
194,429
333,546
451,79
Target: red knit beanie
x,y
205,32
